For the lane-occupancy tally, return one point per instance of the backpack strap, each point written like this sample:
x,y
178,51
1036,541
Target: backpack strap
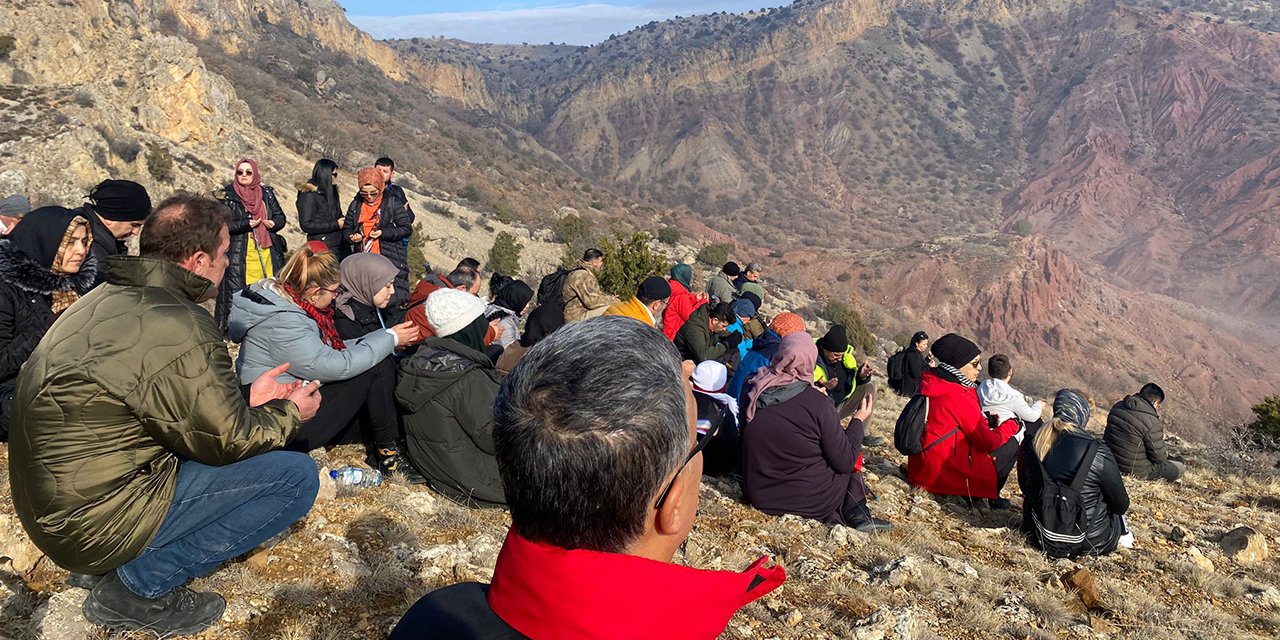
x,y
1082,472
946,436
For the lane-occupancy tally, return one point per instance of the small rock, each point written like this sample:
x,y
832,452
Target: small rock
x,y
1244,545
844,536
898,572
1082,582
62,617
1194,556
1269,598
958,566
260,558
328,488
793,618
1176,534
16,546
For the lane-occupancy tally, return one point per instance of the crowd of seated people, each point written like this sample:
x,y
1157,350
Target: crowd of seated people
x,y
142,456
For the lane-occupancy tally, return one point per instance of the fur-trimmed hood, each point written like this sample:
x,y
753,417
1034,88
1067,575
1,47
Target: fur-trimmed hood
x,y
306,187
24,273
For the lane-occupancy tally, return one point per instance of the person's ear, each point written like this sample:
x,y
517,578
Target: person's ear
x,y
673,513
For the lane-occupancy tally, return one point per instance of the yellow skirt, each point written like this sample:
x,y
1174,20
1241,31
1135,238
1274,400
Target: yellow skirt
x,y
257,262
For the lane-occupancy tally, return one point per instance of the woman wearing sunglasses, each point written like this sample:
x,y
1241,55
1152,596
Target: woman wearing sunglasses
x,y
256,251
379,225
289,320
319,209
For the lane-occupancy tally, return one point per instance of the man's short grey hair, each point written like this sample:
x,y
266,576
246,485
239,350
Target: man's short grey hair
x,y
587,429
463,276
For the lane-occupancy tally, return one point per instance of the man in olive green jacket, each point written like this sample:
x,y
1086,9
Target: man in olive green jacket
x,y
134,460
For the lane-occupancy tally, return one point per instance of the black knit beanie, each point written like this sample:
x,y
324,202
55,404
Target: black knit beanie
x,y
836,340
955,350
731,269
120,201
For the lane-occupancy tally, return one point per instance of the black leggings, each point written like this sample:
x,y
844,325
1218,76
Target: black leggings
x,y
341,404
1005,457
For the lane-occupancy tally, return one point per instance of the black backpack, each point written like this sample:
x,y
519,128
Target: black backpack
x,y
1060,516
908,433
551,288
896,367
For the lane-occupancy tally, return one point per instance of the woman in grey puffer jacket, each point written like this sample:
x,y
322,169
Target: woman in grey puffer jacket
x,y
1059,448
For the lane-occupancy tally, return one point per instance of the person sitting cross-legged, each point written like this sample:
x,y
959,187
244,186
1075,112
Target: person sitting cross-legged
x,y
134,460
596,442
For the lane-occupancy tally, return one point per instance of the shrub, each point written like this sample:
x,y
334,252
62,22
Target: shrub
x,y
844,277
417,256
159,162
669,235
472,193
628,260
1022,228
7,45
572,228
1267,425
502,213
504,256
84,99
127,151
840,312
715,254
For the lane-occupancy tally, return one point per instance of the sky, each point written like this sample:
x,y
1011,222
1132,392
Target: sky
x,y
580,22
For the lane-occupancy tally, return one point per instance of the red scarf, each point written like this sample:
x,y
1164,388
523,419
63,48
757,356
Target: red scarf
x,y
323,317
547,592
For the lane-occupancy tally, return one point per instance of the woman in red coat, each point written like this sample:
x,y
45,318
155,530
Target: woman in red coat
x,y
963,455
682,303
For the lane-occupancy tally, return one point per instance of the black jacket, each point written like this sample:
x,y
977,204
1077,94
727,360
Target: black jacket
x,y
1136,436
238,227
396,224
447,392
26,312
460,612
105,244
913,369
1103,493
318,216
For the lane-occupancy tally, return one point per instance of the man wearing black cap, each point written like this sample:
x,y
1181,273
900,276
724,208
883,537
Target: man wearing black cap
x,y
648,303
115,210
844,379
720,287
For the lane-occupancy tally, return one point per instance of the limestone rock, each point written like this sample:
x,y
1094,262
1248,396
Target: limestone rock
x,y
15,545
328,488
1081,581
1245,545
1194,556
62,617
898,572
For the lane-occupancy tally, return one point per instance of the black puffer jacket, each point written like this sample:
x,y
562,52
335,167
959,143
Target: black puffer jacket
x,y
318,216
1136,436
913,368
447,392
1103,493
26,313
238,227
396,224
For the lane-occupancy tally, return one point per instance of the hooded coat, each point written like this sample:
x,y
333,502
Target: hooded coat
x,y
318,216
720,289
960,463
27,285
681,305
272,330
446,393
1136,436
695,340
133,378
1103,494
759,357
239,229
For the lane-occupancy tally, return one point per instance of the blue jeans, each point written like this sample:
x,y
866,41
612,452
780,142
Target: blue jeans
x,y
219,513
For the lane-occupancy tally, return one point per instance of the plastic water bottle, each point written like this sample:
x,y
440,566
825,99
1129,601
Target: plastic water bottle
x,y
356,477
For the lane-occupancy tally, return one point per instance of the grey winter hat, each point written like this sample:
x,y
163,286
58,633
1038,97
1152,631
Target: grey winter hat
x,y
15,206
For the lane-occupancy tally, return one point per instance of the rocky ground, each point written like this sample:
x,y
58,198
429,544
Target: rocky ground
x,y
363,556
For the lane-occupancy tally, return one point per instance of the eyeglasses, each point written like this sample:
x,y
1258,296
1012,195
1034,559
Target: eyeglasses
x,y
244,173
697,448
333,290
368,194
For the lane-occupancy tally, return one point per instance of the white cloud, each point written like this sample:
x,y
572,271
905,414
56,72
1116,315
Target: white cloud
x,y
577,24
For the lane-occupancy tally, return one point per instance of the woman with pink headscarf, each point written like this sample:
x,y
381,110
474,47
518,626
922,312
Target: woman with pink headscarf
x,y
797,458
256,250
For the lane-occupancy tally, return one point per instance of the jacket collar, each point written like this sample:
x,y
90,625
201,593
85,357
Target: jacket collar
x,y
23,273
544,592
136,271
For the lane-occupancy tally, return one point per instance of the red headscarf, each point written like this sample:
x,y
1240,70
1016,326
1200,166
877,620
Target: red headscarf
x,y
251,196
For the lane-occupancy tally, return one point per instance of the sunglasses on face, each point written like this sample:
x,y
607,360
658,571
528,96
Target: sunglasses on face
x,y
703,441
242,172
335,174
369,194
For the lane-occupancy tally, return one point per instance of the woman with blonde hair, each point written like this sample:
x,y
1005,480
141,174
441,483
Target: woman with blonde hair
x,y
290,319
1074,500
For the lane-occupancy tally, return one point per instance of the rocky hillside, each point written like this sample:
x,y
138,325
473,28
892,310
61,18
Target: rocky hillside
x,y
360,558
867,138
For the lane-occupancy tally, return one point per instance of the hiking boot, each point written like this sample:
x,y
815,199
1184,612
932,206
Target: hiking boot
x,y
177,613
1000,504
872,441
83,580
389,461
860,519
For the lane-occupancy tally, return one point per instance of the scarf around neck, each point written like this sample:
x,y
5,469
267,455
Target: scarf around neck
x,y
254,204
322,317
954,375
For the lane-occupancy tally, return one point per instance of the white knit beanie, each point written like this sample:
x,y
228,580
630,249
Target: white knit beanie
x,y
450,310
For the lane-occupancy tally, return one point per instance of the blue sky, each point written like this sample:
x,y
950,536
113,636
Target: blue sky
x,y
532,21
